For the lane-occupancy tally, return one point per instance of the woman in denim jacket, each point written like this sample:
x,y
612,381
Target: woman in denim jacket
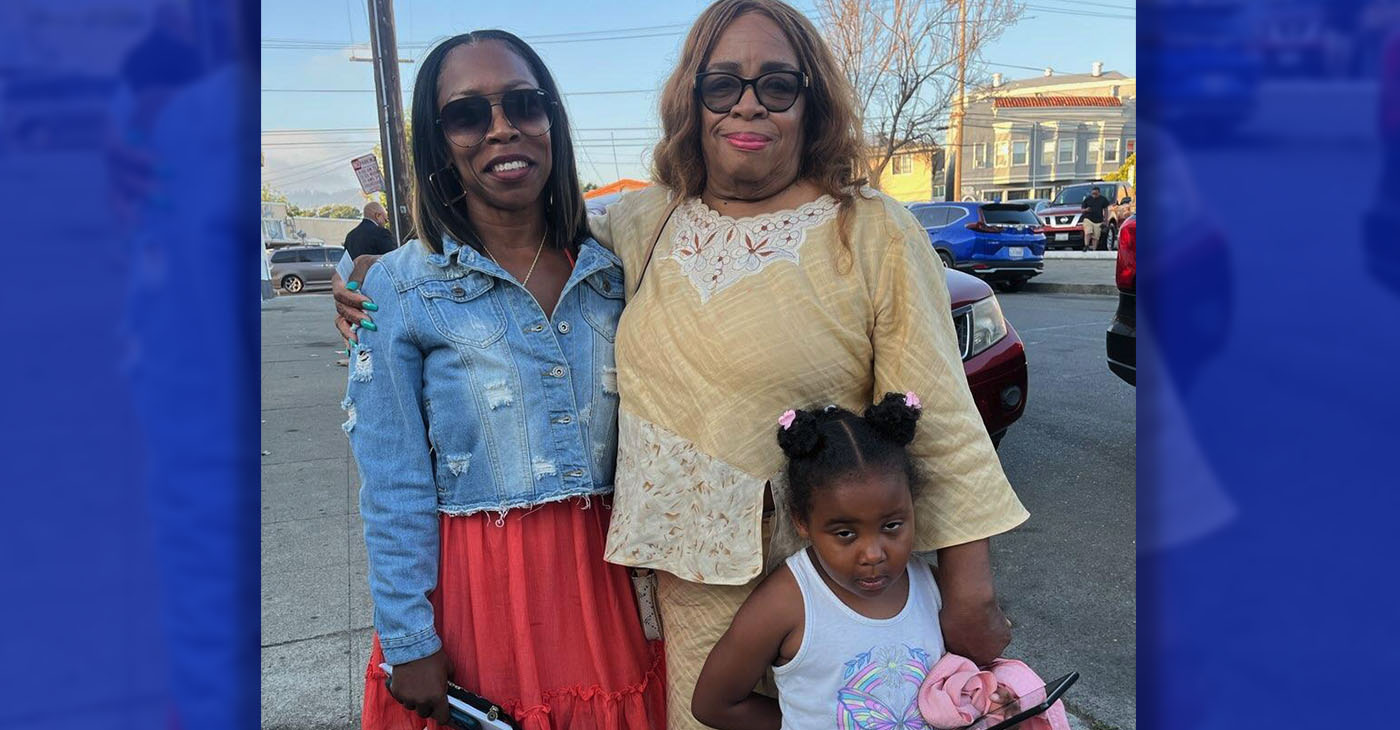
x,y
482,407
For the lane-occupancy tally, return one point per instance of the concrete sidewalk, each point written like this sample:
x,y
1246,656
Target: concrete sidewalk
x,y
316,609
1089,273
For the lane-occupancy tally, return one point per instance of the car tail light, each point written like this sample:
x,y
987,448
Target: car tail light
x,y
981,227
1126,274
1042,230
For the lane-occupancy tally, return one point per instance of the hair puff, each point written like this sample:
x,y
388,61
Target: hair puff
x,y
802,438
893,418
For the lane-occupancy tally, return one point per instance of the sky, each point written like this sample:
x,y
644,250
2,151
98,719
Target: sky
x,y
609,66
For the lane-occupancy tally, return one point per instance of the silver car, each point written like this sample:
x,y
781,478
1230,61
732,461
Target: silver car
x,y
296,267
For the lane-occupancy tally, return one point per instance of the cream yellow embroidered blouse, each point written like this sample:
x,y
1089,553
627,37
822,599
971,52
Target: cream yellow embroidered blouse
x,y
738,320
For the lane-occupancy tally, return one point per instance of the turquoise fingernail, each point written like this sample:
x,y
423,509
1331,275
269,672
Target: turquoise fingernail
x,y
372,327
353,286
370,306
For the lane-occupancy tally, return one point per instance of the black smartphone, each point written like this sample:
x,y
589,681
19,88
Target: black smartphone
x,y
1024,707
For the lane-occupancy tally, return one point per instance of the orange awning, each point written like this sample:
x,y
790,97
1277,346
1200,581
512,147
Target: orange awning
x,y
622,185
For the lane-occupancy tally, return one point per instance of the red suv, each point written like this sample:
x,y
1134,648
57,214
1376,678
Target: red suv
x,y
994,359
1062,216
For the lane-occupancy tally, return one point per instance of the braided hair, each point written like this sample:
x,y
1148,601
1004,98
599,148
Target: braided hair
x,y
825,445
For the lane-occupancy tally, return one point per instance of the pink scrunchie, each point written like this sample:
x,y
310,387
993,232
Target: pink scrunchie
x,y
955,693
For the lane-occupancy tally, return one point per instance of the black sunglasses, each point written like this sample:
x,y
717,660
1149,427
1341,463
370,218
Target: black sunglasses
x,y
466,121
777,91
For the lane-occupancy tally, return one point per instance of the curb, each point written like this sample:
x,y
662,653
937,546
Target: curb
x,y
1095,255
1049,288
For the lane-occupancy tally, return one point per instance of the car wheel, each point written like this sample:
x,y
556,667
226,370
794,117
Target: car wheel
x,y
1110,237
1012,286
947,259
292,284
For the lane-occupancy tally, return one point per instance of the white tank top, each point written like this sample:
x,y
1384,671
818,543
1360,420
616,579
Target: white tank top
x,y
855,672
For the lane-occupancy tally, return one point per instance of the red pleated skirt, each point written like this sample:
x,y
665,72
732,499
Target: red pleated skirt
x,y
534,620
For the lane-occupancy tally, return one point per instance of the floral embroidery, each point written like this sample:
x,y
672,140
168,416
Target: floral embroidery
x,y
715,251
678,509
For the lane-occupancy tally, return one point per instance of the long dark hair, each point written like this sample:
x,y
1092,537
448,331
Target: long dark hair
x,y
433,217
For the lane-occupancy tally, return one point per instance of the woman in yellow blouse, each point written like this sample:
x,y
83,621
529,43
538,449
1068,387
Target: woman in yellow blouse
x,y
760,274
776,280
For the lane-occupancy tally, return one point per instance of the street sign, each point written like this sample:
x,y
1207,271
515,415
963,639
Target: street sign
x,y
367,170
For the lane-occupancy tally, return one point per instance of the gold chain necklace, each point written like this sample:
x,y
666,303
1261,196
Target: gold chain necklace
x,y
538,249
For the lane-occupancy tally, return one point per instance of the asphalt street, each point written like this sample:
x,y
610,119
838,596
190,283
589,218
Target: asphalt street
x,y
1067,577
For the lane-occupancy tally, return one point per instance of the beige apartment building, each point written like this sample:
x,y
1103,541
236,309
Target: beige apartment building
x,y
1028,138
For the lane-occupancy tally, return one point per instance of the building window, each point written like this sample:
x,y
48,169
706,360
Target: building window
x,y
1110,150
1067,151
1017,194
979,154
1044,193
938,192
902,164
1092,154
1019,152
1129,147
1003,152
992,196
1047,152
273,231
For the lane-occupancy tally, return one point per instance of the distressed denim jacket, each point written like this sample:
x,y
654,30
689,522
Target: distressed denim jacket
x,y
467,399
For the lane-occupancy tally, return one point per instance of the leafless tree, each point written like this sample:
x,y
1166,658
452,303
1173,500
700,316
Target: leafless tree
x,y
901,57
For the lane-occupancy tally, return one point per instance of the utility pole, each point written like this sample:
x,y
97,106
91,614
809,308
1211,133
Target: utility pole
x,y
388,94
617,173
955,192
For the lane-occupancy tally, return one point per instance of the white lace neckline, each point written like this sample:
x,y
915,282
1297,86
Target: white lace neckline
x,y
715,251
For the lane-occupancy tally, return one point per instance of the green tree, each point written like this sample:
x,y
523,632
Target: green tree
x,y
589,186
271,195
1122,172
336,210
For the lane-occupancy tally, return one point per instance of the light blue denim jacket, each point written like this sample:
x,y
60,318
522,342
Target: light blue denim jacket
x,y
467,399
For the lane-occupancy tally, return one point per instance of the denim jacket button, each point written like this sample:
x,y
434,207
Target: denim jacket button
x,y
575,473
566,420
564,328
607,287
458,291
557,371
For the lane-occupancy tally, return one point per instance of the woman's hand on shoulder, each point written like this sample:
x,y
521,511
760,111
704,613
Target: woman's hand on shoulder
x,y
352,307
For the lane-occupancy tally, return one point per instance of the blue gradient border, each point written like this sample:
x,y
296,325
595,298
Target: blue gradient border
x,y
1269,232
128,158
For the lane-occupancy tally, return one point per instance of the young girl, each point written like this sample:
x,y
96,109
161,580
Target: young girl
x,y
850,624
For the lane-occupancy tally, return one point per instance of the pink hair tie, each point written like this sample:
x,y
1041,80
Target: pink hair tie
x,y
787,418
911,399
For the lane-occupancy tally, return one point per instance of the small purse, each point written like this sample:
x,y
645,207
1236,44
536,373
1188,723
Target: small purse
x,y
644,584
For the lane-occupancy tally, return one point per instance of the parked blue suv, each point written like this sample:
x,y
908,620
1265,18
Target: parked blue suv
x,y
999,242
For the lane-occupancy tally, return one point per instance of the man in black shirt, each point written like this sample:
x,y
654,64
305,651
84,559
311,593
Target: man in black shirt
x,y
1093,207
371,237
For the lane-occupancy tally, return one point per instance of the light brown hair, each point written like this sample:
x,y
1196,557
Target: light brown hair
x,y
832,150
